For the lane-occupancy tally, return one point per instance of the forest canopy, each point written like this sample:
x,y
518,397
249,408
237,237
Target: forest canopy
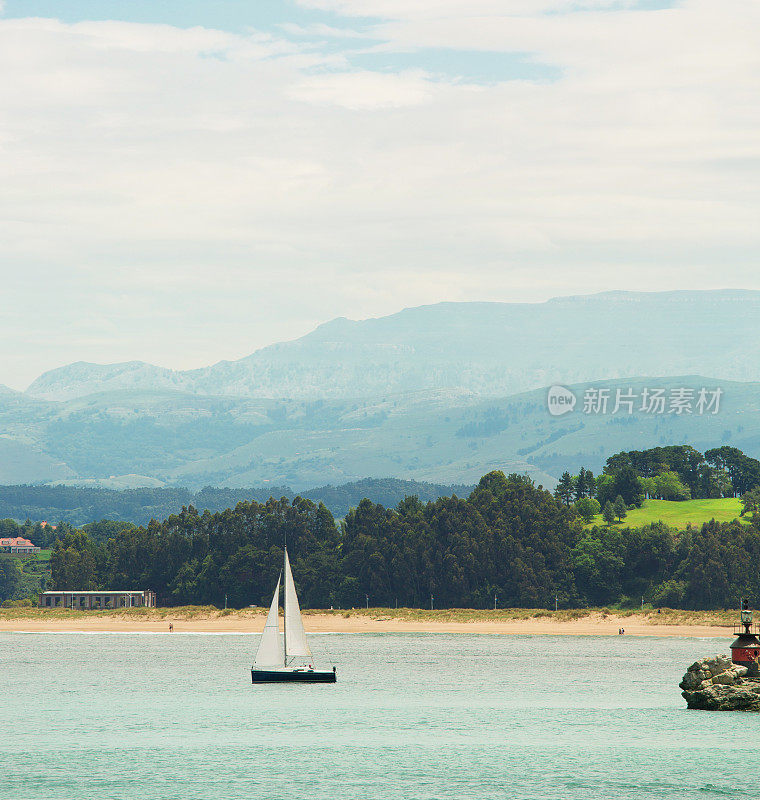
x,y
508,542
674,472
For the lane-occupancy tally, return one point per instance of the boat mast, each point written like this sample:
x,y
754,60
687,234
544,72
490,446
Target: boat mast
x,y
285,615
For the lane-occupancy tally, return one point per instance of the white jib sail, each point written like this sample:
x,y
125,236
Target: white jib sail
x,y
270,653
296,645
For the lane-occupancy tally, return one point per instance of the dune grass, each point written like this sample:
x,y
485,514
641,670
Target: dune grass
x,y
680,514
157,614
418,615
666,616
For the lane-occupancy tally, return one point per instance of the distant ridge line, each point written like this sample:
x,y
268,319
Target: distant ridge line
x,y
80,505
487,348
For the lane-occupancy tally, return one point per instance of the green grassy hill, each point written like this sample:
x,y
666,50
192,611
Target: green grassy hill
x,y
679,514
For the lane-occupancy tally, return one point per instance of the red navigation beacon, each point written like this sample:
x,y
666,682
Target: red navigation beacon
x,y
745,649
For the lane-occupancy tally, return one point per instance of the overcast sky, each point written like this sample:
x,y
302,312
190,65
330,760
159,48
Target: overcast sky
x,y
186,181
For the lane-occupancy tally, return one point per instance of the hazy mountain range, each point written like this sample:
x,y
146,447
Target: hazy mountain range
x,y
489,349
439,393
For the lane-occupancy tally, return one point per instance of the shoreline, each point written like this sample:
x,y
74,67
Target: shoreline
x,y
592,622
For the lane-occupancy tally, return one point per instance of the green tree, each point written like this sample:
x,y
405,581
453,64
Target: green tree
x,y
716,483
648,487
751,502
743,471
106,529
9,528
76,562
581,488
587,508
627,486
693,471
668,486
11,577
184,587
590,483
565,489
619,508
624,483
669,593
608,513
604,485
598,565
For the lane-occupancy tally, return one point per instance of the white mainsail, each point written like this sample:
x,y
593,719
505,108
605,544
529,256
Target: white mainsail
x,y
270,653
296,646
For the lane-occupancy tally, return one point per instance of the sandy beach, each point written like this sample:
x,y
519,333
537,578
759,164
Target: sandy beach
x,y
595,623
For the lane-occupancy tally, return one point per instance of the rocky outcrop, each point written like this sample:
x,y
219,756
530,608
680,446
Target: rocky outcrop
x,y
717,684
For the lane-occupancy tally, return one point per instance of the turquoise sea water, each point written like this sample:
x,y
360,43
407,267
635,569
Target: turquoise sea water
x,y
128,716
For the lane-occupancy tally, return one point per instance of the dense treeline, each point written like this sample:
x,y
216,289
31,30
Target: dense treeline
x,y
675,472
79,505
198,558
508,540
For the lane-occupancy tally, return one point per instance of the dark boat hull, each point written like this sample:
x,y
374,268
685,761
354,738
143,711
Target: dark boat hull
x,y
292,676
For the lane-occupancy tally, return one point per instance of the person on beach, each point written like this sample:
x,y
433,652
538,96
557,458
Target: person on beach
x,y
171,627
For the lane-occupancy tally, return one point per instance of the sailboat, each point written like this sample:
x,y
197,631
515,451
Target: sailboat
x,y
291,660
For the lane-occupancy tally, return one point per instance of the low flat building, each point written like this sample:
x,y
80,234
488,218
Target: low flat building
x,y
18,546
98,600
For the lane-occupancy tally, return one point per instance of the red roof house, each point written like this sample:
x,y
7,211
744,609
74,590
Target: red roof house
x,y
18,545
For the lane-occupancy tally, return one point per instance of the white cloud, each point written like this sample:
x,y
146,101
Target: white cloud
x,y
183,195
365,89
322,30
455,9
